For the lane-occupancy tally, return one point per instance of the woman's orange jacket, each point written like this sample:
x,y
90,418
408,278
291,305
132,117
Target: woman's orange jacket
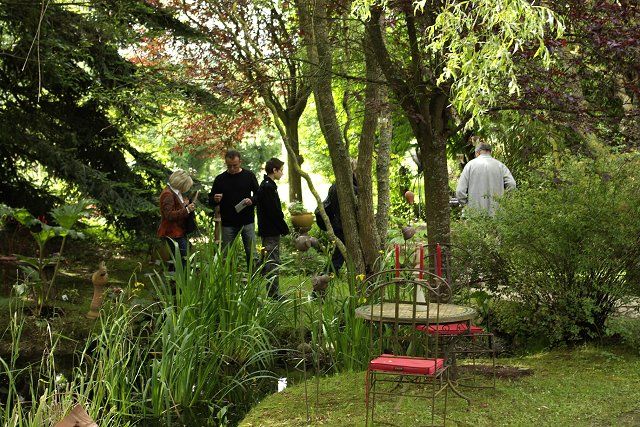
x,y
172,213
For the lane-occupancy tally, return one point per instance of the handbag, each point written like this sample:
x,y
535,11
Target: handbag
x,y
190,224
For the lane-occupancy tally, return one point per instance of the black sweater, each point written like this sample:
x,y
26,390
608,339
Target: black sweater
x,y
234,188
270,217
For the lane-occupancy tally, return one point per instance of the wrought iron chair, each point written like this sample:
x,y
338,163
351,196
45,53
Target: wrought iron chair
x,y
462,340
398,301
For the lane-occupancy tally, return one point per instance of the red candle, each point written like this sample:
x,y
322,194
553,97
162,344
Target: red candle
x,y
397,260
421,252
438,260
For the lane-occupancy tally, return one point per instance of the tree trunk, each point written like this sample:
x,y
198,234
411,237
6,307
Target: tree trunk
x,y
382,165
425,107
314,22
433,156
366,219
295,181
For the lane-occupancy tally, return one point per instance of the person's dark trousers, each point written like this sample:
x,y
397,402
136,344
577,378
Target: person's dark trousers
x,y
248,234
337,259
182,243
271,263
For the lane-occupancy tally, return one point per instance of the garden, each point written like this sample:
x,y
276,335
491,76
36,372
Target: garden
x,y
379,111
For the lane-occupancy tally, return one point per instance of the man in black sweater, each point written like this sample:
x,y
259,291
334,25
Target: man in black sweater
x,y
235,191
271,224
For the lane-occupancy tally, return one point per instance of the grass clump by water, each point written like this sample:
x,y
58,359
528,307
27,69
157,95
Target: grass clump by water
x,y
199,354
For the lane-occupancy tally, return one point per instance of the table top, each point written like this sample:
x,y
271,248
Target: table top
x,y
449,313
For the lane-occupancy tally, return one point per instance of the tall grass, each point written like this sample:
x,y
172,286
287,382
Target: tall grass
x,y
203,348
337,331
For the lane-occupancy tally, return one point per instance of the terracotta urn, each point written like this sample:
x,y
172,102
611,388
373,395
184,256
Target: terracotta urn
x,y
409,196
408,232
302,222
99,279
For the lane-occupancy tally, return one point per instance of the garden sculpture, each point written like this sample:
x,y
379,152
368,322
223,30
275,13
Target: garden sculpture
x,y
409,196
320,283
78,417
303,243
99,279
408,232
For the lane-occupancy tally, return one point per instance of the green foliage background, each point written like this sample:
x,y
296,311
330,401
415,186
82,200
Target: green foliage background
x,y
563,250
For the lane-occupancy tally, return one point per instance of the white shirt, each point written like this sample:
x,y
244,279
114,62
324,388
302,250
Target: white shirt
x,y
482,179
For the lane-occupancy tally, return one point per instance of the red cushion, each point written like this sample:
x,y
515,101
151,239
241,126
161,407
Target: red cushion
x,y
450,329
405,364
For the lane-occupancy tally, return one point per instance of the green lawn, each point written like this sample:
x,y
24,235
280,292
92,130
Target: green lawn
x,y
581,387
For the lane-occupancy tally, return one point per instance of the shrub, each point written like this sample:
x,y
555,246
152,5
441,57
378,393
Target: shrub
x,y
627,329
296,208
565,246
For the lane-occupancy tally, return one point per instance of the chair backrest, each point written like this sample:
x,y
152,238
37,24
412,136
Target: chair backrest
x,y
454,264
400,300
467,274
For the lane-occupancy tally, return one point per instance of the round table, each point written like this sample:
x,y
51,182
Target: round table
x,y
449,313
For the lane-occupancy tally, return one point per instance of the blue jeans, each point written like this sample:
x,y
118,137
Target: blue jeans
x,y
182,243
248,234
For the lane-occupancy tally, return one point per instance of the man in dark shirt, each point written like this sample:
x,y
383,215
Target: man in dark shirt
x,y
271,224
332,208
235,191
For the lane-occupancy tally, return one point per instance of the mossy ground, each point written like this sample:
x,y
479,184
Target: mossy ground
x,y
585,386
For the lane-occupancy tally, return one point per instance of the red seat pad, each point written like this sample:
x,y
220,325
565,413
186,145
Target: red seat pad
x,y
405,364
450,329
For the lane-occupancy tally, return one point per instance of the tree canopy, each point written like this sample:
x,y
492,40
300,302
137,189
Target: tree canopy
x,y
69,101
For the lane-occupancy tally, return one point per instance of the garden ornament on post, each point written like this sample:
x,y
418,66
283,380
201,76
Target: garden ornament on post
x,y
303,243
409,196
320,283
408,232
99,279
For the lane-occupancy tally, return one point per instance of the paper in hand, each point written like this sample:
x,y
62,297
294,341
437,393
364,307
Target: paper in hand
x,y
240,206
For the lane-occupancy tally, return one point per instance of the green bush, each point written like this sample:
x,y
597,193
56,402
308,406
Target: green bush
x,y
627,329
565,247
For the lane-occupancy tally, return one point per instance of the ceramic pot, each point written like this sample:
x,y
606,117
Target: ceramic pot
x,y
409,196
315,243
302,243
408,232
302,222
320,283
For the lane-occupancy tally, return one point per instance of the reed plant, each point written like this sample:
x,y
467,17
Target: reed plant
x,y
205,348
213,335
336,332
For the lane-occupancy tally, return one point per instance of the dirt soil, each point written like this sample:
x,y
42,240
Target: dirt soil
x,y
64,318
501,371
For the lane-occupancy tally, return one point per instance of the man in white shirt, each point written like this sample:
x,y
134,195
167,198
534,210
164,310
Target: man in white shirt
x,y
482,179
